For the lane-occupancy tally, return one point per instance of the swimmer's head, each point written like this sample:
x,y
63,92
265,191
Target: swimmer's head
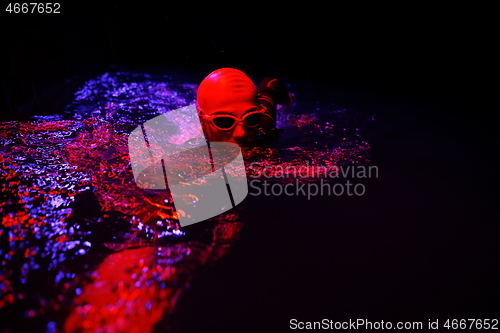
x,y
229,107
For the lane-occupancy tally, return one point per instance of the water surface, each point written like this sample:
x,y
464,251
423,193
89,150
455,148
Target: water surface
x,y
83,249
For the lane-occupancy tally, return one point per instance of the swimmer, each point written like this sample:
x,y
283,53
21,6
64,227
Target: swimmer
x,y
232,109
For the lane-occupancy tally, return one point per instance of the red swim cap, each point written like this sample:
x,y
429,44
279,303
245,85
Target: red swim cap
x,y
225,87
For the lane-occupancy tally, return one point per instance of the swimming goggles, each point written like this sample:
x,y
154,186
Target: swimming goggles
x,y
226,122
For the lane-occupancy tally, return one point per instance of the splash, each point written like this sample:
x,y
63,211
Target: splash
x,y
82,247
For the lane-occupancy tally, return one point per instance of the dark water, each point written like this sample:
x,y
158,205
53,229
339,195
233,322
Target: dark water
x,y
83,249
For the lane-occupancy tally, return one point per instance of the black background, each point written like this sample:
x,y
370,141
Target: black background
x,y
433,52
421,244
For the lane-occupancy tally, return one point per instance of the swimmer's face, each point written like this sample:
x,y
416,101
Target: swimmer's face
x,y
229,108
235,123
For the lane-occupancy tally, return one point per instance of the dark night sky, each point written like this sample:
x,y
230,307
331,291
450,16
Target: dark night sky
x,y
425,52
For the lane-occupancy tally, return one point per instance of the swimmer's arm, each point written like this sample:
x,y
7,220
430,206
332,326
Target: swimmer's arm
x,y
269,91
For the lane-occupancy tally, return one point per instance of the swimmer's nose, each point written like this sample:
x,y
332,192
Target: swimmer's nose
x,y
239,134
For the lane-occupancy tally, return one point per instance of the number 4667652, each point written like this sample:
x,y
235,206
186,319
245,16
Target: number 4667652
x,y
34,7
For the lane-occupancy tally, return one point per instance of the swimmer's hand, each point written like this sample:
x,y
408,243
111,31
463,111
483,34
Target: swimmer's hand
x,y
276,90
